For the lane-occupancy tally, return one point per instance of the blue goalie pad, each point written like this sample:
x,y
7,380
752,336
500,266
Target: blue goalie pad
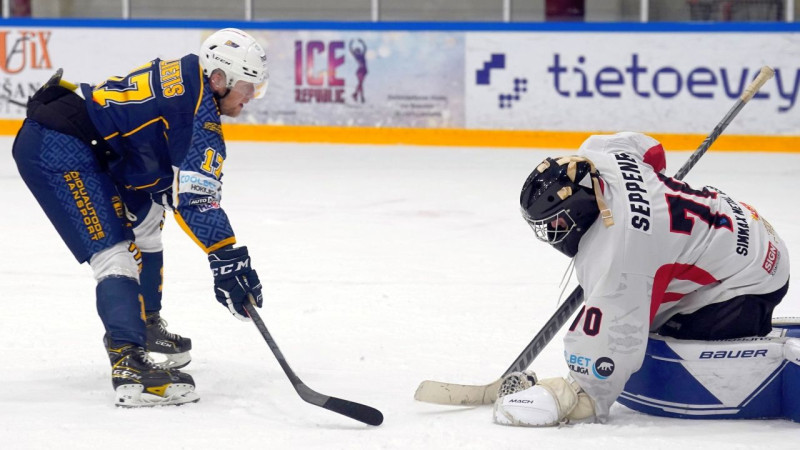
x,y
746,378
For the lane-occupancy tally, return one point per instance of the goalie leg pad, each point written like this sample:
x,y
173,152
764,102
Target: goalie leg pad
x,y
791,381
746,378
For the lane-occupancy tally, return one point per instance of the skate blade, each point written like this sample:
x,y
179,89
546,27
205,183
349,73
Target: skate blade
x,y
170,360
134,396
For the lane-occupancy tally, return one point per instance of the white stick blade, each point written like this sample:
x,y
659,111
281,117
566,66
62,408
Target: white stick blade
x,y
457,394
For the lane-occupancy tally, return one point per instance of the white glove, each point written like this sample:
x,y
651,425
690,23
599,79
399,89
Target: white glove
x,y
549,402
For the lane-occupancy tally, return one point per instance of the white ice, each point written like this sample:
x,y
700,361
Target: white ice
x,y
382,267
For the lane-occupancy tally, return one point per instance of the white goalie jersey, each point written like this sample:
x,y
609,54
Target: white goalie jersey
x,y
673,249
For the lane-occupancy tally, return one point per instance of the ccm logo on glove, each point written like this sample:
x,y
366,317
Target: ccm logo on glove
x,y
228,268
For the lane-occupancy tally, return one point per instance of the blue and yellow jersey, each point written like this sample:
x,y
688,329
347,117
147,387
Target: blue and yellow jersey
x,y
163,124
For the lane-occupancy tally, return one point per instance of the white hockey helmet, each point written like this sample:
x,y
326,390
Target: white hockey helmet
x,y
237,54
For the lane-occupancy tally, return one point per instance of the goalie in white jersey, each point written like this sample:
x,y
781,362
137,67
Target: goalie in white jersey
x,y
653,255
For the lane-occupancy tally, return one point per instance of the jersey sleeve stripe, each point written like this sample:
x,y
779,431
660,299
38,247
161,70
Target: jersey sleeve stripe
x,y
182,223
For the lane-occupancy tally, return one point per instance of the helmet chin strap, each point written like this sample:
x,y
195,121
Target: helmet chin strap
x,y
220,97
217,96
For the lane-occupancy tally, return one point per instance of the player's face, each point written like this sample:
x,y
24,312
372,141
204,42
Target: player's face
x,y
559,224
239,95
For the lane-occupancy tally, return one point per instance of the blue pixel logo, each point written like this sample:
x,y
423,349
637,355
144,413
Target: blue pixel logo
x,y
497,61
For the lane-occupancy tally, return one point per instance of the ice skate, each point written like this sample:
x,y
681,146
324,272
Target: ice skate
x,y
139,382
172,350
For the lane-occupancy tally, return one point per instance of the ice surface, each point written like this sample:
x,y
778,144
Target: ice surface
x,y
382,267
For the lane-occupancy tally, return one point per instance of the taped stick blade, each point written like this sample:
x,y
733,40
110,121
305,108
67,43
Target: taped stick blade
x,y
457,394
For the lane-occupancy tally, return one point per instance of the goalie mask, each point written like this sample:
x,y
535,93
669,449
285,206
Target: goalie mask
x,y
239,56
561,199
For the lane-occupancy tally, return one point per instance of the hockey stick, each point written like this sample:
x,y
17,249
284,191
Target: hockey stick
x,y
13,102
467,395
55,79
357,411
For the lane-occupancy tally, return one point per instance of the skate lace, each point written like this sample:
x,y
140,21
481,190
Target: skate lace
x,y
162,325
146,359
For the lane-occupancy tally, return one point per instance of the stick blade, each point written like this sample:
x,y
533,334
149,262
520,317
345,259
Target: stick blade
x,y
362,413
457,394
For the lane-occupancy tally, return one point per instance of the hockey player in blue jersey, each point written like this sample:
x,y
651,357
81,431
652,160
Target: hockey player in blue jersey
x,y
105,162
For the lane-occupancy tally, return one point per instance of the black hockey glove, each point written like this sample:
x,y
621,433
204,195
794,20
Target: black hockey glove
x,y
235,280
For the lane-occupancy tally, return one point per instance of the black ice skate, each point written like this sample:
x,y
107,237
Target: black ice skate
x,y
138,382
173,347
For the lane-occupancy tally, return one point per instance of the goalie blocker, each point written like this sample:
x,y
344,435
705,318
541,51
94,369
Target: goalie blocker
x,y
745,378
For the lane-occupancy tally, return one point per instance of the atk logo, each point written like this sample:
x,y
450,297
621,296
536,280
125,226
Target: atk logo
x,y
318,75
23,49
497,61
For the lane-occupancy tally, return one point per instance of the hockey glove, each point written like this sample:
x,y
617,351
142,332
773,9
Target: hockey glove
x,y
235,280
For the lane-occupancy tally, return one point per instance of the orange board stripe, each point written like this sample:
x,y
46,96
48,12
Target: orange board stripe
x,y
457,137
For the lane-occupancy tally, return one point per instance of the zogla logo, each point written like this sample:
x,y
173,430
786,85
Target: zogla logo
x,y
23,48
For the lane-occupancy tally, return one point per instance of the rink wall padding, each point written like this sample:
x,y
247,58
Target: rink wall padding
x,y
523,85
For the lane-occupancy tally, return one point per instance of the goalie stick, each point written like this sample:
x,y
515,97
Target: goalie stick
x,y
469,395
353,410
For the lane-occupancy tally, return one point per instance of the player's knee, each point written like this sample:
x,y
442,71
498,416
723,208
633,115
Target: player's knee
x,y
148,231
122,260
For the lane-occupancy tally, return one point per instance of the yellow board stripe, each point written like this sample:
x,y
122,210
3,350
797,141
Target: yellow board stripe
x,y
471,138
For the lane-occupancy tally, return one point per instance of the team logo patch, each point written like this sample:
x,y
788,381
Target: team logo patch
x,y
603,368
771,261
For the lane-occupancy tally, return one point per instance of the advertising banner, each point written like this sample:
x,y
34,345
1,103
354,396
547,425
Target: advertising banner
x,y
363,79
528,81
655,82
31,55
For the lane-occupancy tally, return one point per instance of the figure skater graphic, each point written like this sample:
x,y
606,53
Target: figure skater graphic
x,y
359,50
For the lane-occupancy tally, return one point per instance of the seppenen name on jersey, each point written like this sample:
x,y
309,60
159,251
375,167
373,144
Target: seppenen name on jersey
x,y
638,197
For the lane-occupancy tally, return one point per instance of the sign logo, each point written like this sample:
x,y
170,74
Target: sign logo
x,y
771,261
